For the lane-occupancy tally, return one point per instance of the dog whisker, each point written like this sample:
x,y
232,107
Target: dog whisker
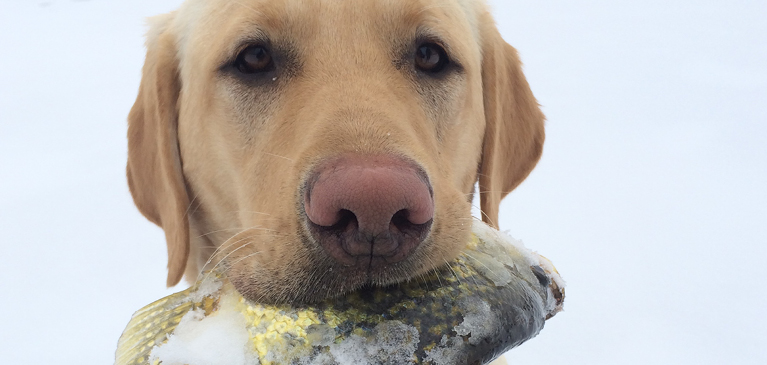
x,y
232,229
221,261
227,255
279,156
226,244
473,278
455,274
485,216
186,212
223,246
230,266
248,237
434,268
250,211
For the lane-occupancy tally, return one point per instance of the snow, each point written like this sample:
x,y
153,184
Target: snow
x,y
393,342
218,339
449,351
650,197
208,285
478,320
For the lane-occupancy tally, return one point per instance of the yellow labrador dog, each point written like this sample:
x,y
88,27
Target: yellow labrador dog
x,y
310,147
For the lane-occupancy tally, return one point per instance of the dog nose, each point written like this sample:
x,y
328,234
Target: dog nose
x,y
369,211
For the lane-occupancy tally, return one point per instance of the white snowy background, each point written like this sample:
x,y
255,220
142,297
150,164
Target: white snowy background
x,y
650,197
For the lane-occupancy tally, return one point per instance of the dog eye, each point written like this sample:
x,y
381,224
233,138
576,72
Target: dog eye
x,y
430,57
254,59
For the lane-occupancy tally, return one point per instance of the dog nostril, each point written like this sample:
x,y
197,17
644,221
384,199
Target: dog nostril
x,y
401,222
346,220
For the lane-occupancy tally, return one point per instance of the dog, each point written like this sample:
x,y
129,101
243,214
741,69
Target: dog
x,y
312,147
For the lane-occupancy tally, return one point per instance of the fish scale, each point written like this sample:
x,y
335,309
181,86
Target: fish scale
x,y
430,320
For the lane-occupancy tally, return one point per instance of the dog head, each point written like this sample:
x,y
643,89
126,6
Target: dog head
x,y
312,147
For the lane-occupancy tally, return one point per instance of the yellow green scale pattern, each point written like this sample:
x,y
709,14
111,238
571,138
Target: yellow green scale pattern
x,y
431,305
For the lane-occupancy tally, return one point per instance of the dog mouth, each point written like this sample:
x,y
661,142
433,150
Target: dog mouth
x,y
315,276
331,277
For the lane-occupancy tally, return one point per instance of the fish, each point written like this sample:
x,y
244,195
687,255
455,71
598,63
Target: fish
x,y
493,297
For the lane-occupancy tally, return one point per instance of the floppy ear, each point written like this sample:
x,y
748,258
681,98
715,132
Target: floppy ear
x,y
514,133
154,170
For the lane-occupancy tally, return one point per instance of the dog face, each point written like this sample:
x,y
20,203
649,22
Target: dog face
x,y
313,147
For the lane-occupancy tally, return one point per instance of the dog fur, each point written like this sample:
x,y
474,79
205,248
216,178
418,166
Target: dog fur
x,y
219,161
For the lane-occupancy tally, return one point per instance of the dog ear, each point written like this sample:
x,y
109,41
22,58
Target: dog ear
x,y
154,172
514,133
